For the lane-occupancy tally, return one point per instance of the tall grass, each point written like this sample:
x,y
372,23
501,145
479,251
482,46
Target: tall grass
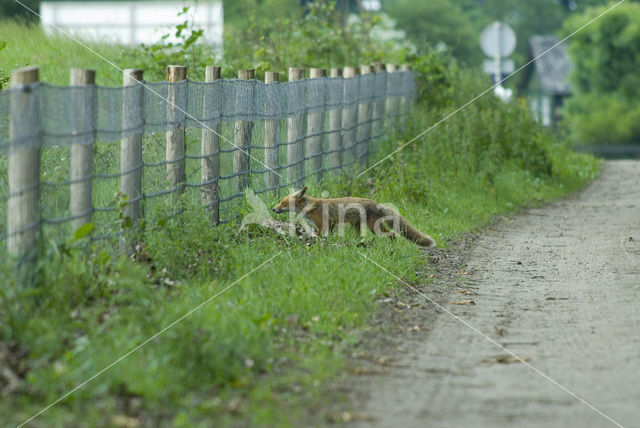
x,y
27,45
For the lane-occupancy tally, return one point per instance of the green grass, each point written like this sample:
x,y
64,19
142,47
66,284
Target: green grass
x,y
259,353
27,46
263,351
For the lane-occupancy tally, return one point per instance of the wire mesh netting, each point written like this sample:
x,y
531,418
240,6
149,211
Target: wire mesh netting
x,y
77,154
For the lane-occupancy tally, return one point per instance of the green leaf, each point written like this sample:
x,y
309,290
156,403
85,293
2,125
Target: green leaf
x,y
82,231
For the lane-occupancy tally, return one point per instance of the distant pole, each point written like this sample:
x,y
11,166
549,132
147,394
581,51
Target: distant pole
x,y
210,150
242,141
175,143
131,144
23,210
315,128
295,135
83,117
271,139
335,127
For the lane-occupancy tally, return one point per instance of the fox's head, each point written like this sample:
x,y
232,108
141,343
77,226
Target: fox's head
x,y
293,202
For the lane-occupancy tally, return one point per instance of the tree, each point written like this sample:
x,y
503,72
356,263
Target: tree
x,y
13,9
527,18
435,24
606,82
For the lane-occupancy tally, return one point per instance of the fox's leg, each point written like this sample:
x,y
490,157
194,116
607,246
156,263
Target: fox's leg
x,y
323,229
371,224
384,228
359,227
388,228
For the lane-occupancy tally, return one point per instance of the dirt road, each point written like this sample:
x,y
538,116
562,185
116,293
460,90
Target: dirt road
x,y
559,286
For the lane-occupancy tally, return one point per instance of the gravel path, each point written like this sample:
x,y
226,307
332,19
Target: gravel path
x,y
559,286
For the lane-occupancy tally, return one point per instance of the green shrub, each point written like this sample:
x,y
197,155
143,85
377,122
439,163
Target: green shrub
x,y
594,118
605,78
4,78
487,132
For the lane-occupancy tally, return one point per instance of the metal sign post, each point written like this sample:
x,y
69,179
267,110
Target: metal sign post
x,y
498,41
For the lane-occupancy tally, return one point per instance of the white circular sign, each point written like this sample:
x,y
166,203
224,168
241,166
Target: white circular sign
x,y
498,40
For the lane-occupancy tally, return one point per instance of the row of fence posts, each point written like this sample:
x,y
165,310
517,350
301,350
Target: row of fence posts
x,y
24,158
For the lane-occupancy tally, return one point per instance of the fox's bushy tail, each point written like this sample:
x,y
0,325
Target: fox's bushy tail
x,y
410,232
414,235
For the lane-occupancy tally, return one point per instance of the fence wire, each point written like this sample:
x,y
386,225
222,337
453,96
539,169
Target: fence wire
x,y
74,154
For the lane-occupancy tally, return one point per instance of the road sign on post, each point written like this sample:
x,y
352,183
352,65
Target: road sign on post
x,y
498,41
506,66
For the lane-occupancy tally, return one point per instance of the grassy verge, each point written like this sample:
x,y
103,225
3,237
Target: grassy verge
x,y
27,45
262,351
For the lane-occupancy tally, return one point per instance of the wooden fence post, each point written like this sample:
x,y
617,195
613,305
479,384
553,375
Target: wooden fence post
x,y
315,128
404,100
131,145
364,117
23,211
350,113
175,149
295,135
391,102
84,99
335,129
271,135
242,142
378,105
210,151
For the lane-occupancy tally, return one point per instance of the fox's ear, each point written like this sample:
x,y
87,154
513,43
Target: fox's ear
x,y
300,193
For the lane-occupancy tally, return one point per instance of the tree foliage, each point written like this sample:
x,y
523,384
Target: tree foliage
x,y
436,24
606,82
4,79
317,35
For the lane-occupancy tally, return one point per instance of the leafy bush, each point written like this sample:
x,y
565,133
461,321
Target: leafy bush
x,y
606,82
154,58
430,24
488,132
316,36
603,118
4,79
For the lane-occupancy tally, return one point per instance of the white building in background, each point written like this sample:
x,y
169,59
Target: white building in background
x,y
134,22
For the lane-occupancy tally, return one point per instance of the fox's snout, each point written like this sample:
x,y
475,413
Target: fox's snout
x,y
291,202
280,208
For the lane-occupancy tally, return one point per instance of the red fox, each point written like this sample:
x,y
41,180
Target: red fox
x,y
328,213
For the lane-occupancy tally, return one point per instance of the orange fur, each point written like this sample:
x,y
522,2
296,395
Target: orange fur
x,y
327,213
